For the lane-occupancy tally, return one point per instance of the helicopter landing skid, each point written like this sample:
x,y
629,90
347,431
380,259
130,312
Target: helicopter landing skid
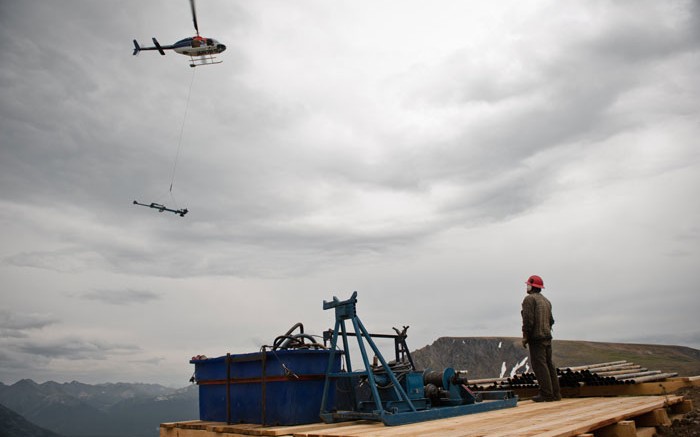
x,y
203,60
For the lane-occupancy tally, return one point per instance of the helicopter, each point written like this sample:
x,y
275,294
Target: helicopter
x,y
200,50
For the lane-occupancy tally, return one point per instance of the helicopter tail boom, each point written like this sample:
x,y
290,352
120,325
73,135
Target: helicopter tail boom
x,y
161,49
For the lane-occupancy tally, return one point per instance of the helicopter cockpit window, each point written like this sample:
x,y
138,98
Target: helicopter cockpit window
x,y
210,42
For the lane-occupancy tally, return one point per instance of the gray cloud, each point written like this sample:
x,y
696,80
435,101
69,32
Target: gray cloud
x,y
556,100
120,297
74,348
667,29
18,325
15,365
62,260
150,361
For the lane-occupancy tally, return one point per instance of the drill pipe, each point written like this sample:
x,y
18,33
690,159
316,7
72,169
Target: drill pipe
x,y
594,366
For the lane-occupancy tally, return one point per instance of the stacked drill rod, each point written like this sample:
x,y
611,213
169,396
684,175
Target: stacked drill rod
x,y
612,373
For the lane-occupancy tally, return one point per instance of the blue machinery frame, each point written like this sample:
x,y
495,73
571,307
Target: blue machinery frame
x,y
397,407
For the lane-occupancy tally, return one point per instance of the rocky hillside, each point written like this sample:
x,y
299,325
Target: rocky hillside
x,y
486,357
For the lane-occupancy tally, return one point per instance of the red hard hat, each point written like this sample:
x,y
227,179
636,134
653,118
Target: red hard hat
x,y
535,281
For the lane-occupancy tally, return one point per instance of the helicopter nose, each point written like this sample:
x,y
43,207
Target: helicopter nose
x,y
221,47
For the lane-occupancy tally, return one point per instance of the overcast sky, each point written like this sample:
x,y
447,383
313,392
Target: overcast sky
x,y
430,155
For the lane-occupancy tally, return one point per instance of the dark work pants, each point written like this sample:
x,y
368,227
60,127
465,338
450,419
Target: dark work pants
x,y
544,368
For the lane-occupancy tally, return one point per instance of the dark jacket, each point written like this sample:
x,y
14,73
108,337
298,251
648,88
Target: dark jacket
x,y
537,317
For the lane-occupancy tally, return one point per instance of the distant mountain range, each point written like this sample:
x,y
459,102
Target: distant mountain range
x,y
115,410
14,425
136,410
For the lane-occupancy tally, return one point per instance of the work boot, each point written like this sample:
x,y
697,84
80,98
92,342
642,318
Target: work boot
x,y
538,398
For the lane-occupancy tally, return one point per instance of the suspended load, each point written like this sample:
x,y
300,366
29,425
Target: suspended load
x,y
162,208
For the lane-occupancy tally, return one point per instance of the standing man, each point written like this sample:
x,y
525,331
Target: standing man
x,y
537,333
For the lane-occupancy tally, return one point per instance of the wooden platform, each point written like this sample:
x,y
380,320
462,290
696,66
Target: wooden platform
x,y
570,417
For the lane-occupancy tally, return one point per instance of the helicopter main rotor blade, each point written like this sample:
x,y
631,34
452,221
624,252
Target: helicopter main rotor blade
x,y
194,17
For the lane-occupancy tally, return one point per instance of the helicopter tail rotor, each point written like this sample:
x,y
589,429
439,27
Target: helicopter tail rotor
x,y
137,48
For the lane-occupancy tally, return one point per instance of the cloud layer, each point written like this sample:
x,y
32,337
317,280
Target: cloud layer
x,y
429,156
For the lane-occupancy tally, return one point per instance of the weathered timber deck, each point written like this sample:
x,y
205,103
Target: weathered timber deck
x,y
569,417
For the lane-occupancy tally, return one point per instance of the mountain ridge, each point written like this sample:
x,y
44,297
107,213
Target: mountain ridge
x,y
110,409
486,357
15,425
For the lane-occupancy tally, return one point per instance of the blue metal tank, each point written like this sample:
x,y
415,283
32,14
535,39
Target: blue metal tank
x,y
282,387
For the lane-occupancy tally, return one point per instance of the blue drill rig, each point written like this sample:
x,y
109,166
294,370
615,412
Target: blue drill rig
x,y
297,379
394,393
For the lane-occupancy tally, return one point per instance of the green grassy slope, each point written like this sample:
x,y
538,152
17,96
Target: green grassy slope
x,y
684,360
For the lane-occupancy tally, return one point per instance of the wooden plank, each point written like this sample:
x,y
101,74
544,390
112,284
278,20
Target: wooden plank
x,y
559,414
487,423
607,418
192,433
247,429
198,428
224,434
180,432
291,429
568,423
340,431
446,427
175,424
240,428
563,411
334,428
198,424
